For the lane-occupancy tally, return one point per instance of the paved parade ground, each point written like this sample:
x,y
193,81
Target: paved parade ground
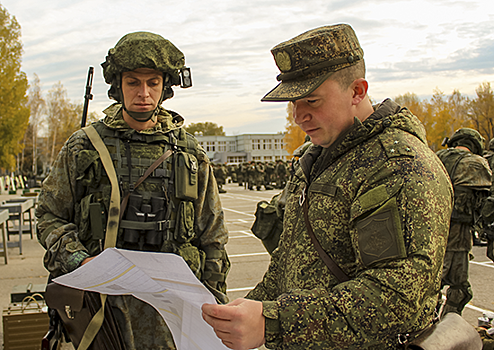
x,y
248,257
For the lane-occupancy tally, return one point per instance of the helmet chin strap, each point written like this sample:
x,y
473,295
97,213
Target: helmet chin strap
x,y
144,116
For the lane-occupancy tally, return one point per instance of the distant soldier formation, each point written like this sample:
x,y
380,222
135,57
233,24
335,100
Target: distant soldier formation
x,y
253,175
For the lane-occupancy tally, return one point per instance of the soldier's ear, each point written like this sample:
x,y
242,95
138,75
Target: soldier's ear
x,y
359,88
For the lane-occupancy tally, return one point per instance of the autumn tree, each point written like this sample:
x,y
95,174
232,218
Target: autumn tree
x,y
481,110
294,136
14,113
37,107
63,118
205,129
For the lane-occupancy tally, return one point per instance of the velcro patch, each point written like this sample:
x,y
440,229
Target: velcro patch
x,y
380,235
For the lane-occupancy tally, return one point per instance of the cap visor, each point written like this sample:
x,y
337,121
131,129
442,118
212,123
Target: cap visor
x,y
295,89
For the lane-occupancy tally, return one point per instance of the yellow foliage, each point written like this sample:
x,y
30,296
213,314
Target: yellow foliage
x,y
294,136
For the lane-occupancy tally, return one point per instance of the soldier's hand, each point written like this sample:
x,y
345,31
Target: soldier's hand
x,y
239,324
87,260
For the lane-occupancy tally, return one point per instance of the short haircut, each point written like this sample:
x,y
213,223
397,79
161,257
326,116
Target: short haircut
x,y
346,76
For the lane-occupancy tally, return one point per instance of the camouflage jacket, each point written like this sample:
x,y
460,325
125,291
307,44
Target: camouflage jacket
x,y
471,178
379,204
59,212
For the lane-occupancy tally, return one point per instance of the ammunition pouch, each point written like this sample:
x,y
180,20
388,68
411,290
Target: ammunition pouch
x,y
268,226
186,168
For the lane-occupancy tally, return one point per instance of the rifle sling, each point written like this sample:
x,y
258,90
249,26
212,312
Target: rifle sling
x,y
332,266
114,217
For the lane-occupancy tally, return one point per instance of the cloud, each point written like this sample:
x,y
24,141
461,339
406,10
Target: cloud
x,y
227,44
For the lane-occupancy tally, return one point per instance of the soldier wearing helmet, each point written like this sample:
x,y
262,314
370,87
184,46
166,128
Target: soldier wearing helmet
x,y
470,175
170,196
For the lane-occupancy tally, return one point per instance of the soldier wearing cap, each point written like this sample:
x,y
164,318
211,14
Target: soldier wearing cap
x,y
174,209
377,200
471,178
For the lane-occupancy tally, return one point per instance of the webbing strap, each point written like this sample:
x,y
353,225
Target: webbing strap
x,y
113,214
111,228
94,326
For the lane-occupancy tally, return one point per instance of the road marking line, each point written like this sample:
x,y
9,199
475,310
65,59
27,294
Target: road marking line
x,y
248,254
477,308
238,212
486,263
239,289
246,235
246,197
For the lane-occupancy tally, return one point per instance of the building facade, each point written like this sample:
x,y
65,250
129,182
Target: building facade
x,y
244,148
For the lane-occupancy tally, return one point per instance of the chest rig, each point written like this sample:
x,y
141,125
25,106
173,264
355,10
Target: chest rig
x,y
159,212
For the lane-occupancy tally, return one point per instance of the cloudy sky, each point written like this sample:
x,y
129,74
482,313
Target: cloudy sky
x,y
409,46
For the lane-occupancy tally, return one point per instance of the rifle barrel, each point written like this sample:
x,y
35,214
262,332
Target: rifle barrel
x,y
88,96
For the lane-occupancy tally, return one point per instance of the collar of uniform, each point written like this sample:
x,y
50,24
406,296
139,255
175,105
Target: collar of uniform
x,y
114,120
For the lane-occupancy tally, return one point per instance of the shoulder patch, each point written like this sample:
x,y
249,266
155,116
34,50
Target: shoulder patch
x,y
380,235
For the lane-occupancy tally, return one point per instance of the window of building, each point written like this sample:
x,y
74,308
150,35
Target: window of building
x,y
256,144
268,158
210,147
278,144
232,146
221,146
256,158
235,160
266,144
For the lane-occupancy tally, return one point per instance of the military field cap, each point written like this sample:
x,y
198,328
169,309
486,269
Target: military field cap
x,y
143,50
307,60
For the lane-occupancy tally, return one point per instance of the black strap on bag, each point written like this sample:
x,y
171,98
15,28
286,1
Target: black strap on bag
x,y
332,266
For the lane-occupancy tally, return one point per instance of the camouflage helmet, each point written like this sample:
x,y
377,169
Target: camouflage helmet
x,y
491,144
469,138
143,50
307,60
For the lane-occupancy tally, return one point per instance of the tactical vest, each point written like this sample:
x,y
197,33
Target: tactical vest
x,y
464,202
160,212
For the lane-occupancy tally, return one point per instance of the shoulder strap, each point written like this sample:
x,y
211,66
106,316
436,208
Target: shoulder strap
x,y
114,211
332,266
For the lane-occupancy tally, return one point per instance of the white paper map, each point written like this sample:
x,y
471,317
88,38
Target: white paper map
x,y
160,279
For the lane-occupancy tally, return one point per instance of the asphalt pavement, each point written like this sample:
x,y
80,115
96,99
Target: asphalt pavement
x,y
247,255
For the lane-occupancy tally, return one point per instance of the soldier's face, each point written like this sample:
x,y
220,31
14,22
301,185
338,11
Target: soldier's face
x,y
325,113
142,89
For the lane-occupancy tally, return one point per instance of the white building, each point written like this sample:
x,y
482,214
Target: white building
x,y
244,148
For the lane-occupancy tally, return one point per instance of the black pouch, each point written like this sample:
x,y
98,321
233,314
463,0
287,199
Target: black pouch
x,y
76,308
186,168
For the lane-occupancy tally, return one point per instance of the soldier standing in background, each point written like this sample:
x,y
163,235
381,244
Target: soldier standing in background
x,y
471,178
370,192
488,209
220,174
281,174
181,217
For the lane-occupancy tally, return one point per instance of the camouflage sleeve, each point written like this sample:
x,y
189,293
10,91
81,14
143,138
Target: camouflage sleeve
x,y
383,299
211,230
56,213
